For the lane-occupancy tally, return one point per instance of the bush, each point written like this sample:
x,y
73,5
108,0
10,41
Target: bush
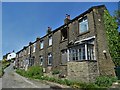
x,y
35,71
75,86
21,72
105,81
91,86
56,71
114,79
5,65
68,82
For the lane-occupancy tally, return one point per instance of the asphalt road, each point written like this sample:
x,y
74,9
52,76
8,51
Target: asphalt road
x,y
13,80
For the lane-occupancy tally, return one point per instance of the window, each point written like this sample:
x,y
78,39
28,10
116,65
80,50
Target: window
x,y
25,52
49,59
83,25
41,60
29,50
21,53
41,44
34,47
90,52
83,52
64,34
50,41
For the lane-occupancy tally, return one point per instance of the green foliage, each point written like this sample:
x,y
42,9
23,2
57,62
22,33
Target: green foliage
x,y
92,86
113,79
35,71
21,72
56,71
112,33
117,16
68,82
104,81
5,64
1,72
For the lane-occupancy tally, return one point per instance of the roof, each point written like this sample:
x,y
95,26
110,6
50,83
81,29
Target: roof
x,y
87,11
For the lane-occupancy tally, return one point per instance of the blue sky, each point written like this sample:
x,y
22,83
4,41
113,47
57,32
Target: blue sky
x,y
23,22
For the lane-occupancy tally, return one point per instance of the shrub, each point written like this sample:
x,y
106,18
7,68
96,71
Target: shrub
x,y
75,86
91,86
37,77
56,71
68,82
35,71
105,81
21,72
114,79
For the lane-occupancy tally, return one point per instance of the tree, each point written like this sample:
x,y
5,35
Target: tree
x,y
111,28
117,16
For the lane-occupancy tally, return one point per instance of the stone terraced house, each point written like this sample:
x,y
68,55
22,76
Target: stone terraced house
x,y
78,49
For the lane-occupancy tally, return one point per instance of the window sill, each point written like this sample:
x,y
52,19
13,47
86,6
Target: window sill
x,y
63,40
41,49
63,64
50,46
49,65
84,61
80,34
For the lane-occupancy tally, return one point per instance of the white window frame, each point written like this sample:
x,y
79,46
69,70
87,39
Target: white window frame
x,y
50,40
28,49
83,21
84,50
49,56
41,44
34,47
41,59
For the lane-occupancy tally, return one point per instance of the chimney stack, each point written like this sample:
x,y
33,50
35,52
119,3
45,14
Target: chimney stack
x,y
30,43
49,30
67,19
38,38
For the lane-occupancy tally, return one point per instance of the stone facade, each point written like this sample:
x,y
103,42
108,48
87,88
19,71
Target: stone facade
x,y
79,55
85,71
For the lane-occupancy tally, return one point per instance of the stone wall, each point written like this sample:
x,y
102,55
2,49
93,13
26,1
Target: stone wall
x,y
105,63
84,71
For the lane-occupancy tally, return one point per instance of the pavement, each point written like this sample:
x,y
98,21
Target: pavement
x,y
12,80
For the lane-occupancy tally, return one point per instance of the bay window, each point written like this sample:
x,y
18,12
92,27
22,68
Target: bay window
x,y
82,52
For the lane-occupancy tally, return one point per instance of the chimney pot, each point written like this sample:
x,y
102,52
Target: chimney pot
x,y
38,38
49,28
67,19
30,43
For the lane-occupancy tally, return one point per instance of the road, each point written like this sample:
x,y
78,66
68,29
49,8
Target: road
x,y
13,80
